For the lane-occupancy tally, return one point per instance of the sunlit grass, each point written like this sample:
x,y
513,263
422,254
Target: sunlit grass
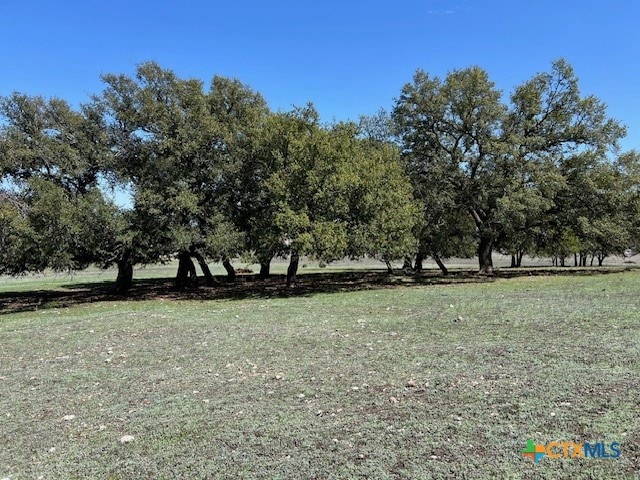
x,y
420,382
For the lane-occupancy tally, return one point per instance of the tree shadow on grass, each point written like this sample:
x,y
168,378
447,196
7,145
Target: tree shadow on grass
x,y
250,286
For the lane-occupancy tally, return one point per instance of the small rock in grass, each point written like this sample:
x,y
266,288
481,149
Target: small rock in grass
x,y
126,439
68,418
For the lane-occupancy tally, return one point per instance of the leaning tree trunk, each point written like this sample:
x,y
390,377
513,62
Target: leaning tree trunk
x,y
124,280
186,270
485,250
231,272
389,266
440,263
292,271
208,277
418,265
407,266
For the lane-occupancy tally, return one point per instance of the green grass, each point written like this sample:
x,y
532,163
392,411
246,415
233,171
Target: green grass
x,y
405,382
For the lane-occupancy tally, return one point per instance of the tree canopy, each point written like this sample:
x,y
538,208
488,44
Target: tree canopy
x,y
498,161
456,169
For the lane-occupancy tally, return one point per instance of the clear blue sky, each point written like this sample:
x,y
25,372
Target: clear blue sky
x,y
348,57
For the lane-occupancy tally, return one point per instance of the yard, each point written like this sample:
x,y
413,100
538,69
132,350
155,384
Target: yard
x,y
401,381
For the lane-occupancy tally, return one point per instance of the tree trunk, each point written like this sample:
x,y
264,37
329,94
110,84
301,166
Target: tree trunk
x,y
205,268
124,280
441,265
513,261
601,259
485,249
265,267
575,259
231,272
407,266
389,266
265,270
519,256
186,270
562,261
293,269
418,265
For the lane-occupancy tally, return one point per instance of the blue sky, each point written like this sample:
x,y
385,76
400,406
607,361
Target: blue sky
x,y
348,57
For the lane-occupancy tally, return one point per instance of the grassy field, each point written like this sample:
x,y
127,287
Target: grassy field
x,y
427,381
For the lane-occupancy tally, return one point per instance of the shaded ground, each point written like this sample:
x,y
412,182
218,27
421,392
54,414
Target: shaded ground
x,y
250,286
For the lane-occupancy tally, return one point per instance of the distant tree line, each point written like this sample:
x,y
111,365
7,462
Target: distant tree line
x,y
213,173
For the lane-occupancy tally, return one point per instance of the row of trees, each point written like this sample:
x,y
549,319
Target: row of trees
x,y
213,174
531,176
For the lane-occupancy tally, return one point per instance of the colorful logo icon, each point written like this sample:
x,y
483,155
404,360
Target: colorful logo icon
x,y
533,451
558,449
